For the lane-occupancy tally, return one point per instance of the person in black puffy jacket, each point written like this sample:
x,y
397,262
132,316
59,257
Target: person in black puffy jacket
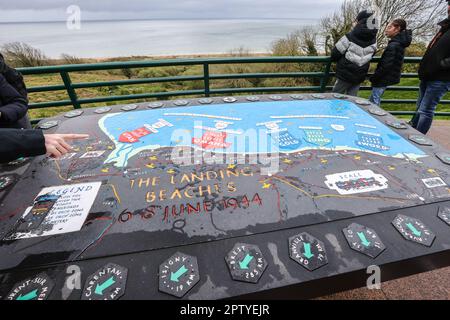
x,y
13,106
389,69
353,54
13,98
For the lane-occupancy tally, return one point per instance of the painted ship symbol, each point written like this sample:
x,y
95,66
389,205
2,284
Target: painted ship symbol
x,y
315,136
281,136
285,140
371,141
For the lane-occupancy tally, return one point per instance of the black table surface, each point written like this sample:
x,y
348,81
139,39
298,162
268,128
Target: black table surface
x,y
256,224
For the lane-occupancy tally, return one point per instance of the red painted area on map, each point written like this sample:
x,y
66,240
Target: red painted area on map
x,y
212,140
133,136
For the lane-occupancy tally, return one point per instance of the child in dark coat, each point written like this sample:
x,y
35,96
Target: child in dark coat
x,y
389,68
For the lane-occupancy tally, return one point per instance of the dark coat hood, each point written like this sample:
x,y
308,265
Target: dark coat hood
x,y
404,38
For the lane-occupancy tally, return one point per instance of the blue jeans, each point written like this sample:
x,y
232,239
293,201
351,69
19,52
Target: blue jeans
x,y
431,92
377,94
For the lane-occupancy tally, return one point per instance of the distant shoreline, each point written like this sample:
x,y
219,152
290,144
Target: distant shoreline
x,y
58,61
153,38
146,20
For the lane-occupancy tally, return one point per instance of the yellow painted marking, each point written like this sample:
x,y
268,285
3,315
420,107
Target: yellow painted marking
x,y
150,166
231,166
287,161
153,158
171,171
357,157
266,185
116,194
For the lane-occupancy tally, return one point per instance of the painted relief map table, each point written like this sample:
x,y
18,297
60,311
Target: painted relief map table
x,y
289,196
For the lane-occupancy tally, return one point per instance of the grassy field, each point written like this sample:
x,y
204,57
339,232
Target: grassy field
x,y
42,80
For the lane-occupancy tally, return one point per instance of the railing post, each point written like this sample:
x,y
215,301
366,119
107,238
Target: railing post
x,y
70,90
206,78
325,78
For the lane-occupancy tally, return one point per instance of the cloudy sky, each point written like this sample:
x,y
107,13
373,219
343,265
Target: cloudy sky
x,y
55,10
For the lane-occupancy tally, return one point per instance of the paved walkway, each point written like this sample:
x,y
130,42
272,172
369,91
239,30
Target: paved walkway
x,y
429,285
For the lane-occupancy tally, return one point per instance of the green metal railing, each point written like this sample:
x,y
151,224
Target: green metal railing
x,y
206,77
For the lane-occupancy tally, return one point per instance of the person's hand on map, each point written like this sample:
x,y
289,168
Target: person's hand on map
x,y
56,144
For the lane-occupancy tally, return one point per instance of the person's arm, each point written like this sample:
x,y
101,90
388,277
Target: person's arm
x,y
386,63
16,143
14,106
340,49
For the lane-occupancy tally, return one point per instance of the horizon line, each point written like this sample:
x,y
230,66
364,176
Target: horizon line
x,y
157,19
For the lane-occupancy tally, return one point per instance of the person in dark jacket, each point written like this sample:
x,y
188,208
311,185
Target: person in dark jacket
x,y
389,69
353,54
13,106
434,73
17,143
13,98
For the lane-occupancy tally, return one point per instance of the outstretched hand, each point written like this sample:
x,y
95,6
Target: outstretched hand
x,y
57,144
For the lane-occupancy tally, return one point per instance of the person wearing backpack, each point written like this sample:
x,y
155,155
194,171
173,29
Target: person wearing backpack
x,y
389,69
353,54
13,98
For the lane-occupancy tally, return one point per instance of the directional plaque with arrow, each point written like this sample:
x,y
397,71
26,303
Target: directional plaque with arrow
x,y
181,103
444,157
107,283
48,125
178,274
246,263
364,240
420,140
378,112
206,101
397,125
37,288
129,107
73,114
444,214
102,110
155,105
363,102
308,251
6,181
414,230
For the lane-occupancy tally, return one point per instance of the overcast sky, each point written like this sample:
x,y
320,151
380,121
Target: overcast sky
x,y
55,10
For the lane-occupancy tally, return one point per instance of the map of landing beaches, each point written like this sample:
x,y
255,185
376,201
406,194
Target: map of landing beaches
x,y
299,125
334,161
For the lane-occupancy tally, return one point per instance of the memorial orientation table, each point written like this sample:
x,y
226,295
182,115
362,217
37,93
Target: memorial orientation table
x,y
268,196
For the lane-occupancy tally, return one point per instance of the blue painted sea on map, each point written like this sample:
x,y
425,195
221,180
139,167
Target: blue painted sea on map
x,y
279,126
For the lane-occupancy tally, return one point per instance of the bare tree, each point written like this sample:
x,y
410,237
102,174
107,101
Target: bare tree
x,y
308,41
289,46
422,17
340,22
